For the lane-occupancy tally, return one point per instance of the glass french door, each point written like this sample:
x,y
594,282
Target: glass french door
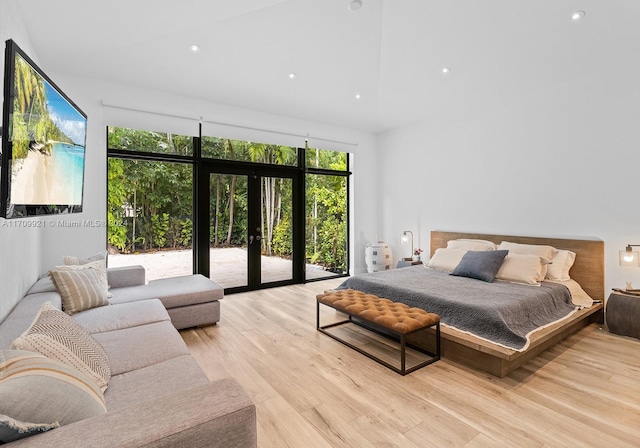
x,y
250,227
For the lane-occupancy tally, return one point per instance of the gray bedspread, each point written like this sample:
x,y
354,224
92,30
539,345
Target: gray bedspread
x,y
500,312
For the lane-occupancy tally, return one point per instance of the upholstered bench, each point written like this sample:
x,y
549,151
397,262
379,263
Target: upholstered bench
x,y
391,319
191,301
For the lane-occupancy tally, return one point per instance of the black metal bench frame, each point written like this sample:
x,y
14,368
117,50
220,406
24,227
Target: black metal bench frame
x,y
383,331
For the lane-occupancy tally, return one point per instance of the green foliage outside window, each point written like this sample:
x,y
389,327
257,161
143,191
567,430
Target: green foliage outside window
x,y
117,234
240,150
323,158
326,199
148,141
150,203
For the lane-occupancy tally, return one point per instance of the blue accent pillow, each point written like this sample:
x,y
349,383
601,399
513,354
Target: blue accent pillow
x,y
481,265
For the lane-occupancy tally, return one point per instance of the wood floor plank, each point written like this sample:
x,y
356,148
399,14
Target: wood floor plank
x,y
312,391
435,431
337,431
279,425
380,433
482,441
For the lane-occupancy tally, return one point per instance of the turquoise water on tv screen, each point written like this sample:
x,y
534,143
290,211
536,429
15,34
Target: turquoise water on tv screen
x,y
68,166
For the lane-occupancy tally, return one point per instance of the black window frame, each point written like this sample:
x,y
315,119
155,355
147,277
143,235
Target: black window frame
x,y
202,165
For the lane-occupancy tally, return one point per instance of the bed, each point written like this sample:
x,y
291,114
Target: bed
x,y
497,350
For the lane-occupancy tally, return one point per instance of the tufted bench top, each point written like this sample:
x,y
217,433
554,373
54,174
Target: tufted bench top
x,y
392,315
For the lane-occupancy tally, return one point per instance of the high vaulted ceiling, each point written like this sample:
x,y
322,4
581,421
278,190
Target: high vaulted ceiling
x,y
391,52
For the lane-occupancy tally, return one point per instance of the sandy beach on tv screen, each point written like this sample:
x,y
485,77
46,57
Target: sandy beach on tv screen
x,y
37,181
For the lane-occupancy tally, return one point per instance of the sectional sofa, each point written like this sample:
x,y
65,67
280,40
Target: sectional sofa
x,y
157,395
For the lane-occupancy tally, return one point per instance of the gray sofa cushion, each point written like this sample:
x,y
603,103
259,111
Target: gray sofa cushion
x,y
214,415
21,317
173,292
123,315
125,276
148,383
44,284
137,347
195,315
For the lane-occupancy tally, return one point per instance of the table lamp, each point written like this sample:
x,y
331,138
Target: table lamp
x,y
405,239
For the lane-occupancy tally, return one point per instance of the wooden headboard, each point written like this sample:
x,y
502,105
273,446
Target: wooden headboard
x,y
588,269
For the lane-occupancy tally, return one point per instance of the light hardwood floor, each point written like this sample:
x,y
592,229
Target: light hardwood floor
x,y
311,391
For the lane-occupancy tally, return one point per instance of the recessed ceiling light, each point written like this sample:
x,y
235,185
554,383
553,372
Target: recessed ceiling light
x,y
292,75
354,5
194,48
577,15
446,70
358,96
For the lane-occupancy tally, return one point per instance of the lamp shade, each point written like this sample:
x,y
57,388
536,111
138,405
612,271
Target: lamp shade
x,y
407,237
629,259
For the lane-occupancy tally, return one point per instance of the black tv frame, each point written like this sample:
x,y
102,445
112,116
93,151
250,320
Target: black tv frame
x,y
7,209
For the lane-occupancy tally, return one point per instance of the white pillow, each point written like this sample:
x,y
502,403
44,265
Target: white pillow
x,y
560,265
100,256
529,249
470,244
446,259
523,268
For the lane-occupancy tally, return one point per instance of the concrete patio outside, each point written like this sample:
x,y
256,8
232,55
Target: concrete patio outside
x,y
228,266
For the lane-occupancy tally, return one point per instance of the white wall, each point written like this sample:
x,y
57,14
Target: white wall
x,y
19,246
551,162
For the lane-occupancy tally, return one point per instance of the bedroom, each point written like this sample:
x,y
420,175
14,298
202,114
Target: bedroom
x,y
536,139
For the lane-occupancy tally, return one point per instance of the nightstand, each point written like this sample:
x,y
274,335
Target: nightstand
x,y
623,314
404,263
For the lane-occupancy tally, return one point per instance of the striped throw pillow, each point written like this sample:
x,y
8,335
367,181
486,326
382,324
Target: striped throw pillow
x,y
57,336
99,267
38,393
79,289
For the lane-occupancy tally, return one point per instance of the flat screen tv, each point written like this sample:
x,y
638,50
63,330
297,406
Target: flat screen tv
x,y
43,143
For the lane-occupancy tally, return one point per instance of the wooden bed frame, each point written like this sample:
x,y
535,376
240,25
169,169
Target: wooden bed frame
x,y
588,271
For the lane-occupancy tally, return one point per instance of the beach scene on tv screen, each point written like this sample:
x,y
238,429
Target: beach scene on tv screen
x,y
48,143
